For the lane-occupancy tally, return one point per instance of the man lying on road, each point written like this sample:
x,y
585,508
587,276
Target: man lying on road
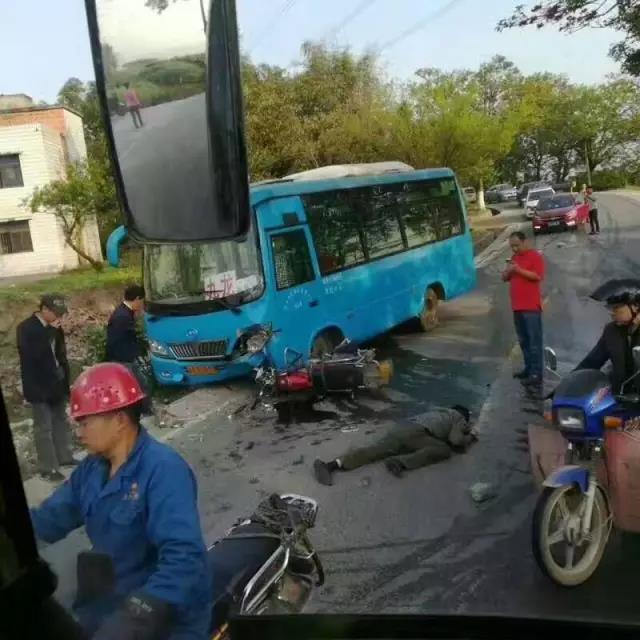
x,y
440,433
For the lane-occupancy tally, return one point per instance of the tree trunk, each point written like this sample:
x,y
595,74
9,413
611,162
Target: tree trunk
x,y
96,264
481,204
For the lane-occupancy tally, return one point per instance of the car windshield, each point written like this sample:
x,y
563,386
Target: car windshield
x,y
542,193
555,202
188,273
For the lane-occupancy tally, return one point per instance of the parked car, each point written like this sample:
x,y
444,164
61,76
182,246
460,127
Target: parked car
x,y
533,197
559,212
526,187
501,193
470,194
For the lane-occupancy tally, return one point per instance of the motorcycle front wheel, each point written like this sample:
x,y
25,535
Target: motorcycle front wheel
x,y
563,552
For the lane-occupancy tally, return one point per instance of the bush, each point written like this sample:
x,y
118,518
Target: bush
x,y
603,180
96,338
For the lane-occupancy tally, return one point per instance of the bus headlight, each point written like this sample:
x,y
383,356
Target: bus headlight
x,y
570,419
257,342
158,349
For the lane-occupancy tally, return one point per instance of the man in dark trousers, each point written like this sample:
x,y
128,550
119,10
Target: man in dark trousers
x,y
440,433
45,384
122,340
525,273
594,221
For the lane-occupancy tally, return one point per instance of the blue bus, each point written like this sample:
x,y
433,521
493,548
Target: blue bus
x,y
351,255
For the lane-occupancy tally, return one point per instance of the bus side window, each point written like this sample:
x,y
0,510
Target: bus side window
x,y
291,259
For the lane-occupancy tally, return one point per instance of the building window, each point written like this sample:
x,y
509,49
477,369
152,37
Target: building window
x,y
291,259
10,171
15,237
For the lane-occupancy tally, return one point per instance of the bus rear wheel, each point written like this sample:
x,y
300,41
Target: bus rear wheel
x,y
429,315
325,343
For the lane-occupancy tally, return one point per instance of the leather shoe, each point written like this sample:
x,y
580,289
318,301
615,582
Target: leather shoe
x,y
521,375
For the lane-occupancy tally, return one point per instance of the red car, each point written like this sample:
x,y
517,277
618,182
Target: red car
x,y
559,212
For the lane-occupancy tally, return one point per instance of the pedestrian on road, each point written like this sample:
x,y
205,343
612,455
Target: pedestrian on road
x,y
147,574
133,104
122,339
440,433
45,384
593,211
525,273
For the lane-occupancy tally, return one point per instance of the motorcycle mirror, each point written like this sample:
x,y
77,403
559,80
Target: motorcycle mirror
x,y
168,80
636,357
550,359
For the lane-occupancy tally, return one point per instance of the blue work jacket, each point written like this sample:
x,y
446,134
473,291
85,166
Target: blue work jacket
x,y
145,518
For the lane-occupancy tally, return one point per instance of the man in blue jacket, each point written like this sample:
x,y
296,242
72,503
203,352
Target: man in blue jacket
x,y
146,576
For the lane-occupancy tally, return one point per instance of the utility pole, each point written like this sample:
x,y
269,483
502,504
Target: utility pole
x,y
586,161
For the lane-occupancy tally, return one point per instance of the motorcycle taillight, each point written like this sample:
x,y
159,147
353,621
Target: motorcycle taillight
x,y
295,381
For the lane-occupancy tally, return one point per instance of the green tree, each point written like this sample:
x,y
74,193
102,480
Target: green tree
x,y
573,15
73,200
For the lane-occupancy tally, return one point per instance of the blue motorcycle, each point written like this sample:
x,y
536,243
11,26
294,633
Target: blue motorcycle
x,y
574,514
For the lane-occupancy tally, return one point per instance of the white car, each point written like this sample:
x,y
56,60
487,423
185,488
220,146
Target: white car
x,y
533,197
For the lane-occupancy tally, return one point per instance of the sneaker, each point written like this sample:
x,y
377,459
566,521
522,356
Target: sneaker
x,y
394,467
52,476
323,473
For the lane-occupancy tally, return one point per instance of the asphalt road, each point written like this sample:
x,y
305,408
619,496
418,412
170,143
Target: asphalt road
x,y
420,544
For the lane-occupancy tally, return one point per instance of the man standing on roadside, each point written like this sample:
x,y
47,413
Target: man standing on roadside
x,y
590,199
45,384
122,339
525,273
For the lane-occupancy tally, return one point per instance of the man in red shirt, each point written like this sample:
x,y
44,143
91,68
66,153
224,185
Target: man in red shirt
x,y
525,273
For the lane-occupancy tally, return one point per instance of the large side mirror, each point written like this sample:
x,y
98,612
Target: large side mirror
x,y
115,240
550,359
168,78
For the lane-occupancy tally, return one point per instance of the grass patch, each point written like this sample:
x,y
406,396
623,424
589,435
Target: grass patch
x,y
632,187
71,282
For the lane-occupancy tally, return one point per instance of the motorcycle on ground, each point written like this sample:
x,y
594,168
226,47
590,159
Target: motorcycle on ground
x,y
266,563
344,370
599,485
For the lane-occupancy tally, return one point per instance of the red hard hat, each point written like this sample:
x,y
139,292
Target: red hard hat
x,y
103,388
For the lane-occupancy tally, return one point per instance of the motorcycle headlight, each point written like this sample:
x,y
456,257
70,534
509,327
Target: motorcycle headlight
x,y
159,349
570,419
257,342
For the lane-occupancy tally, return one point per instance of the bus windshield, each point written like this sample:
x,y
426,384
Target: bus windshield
x,y
188,273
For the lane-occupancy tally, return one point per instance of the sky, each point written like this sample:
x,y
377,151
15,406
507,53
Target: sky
x,y
44,43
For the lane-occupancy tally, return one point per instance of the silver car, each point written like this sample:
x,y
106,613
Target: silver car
x,y
533,197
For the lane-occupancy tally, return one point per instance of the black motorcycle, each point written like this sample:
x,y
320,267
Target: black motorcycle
x,y
266,563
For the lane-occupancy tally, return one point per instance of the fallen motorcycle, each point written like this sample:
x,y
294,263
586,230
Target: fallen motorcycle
x,y
597,489
344,370
266,563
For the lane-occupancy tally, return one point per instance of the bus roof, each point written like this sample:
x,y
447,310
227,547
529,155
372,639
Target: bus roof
x,y
293,186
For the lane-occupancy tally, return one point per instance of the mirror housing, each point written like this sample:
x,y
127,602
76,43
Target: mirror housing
x,y
168,80
116,238
550,359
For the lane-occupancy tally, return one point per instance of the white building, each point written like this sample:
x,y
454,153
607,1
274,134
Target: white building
x,y
36,144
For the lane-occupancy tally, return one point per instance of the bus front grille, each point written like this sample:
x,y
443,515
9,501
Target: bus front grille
x,y
212,349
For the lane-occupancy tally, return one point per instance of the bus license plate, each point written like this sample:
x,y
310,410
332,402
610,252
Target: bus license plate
x,y
202,371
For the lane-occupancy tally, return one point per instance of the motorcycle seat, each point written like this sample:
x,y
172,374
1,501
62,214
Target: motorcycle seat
x,y
234,560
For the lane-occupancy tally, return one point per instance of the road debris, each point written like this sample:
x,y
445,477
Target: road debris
x,y
482,491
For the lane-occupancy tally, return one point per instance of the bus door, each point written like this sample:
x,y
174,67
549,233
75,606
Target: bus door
x,y
296,302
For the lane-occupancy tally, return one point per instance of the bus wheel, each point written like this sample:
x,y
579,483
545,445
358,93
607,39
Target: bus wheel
x,y
429,314
325,343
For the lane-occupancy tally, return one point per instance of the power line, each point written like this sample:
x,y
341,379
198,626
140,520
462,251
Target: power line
x,y
360,8
420,25
284,9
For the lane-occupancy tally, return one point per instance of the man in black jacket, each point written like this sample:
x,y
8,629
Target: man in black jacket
x,y
620,336
122,341
45,384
